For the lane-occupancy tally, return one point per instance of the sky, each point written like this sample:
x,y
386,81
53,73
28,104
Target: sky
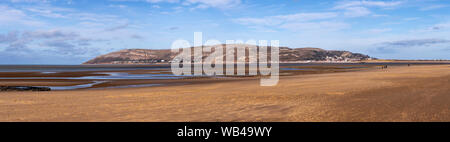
x,y
74,31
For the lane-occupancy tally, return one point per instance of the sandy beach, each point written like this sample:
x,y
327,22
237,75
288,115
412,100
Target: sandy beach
x,y
401,93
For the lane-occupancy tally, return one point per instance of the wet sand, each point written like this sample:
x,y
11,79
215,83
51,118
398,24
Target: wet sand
x,y
416,93
73,78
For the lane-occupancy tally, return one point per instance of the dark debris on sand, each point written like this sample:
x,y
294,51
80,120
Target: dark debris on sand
x,y
23,88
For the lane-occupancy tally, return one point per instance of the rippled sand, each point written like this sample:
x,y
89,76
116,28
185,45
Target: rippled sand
x,y
416,93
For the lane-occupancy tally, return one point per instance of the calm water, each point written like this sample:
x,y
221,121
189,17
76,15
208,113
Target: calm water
x,y
105,73
77,68
110,76
82,86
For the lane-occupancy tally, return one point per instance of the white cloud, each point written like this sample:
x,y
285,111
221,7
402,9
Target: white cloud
x,y
357,12
192,4
11,16
46,13
361,8
56,42
169,1
411,18
366,3
121,6
200,4
29,1
214,3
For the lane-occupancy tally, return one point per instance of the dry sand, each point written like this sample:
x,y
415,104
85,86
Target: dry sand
x,y
416,93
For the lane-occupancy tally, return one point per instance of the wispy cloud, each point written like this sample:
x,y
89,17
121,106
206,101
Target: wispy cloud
x,y
356,11
401,47
58,44
121,6
280,19
174,28
58,41
50,34
437,27
136,36
157,1
119,27
29,1
367,3
9,37
433,7
315,26
299,21
12,16
48,11
415,42
195,4
213,3
361,7
377,31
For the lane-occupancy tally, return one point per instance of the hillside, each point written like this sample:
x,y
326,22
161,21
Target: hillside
x,y
140,56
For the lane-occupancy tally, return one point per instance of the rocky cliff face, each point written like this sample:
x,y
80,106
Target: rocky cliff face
x,y
141,56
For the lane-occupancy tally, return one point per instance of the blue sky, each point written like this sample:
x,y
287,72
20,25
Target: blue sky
x,y
73,31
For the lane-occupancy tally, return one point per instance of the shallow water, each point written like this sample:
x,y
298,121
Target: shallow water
x,y
89,85
111,76
56,88
77,68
